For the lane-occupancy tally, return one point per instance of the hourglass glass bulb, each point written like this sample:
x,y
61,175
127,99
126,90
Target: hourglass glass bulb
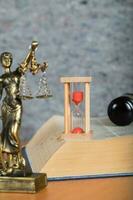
x,y
77,98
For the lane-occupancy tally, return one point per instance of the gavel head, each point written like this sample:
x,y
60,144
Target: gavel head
x,y
34,45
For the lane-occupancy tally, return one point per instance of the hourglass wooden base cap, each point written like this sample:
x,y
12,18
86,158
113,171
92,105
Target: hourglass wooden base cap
x,y
78,136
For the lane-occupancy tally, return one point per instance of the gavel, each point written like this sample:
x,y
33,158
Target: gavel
x,y
120,110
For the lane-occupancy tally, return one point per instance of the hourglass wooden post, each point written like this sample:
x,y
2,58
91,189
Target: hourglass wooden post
x,y
68,81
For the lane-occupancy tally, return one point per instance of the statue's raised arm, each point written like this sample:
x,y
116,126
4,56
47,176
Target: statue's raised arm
x,y
27,62
30,61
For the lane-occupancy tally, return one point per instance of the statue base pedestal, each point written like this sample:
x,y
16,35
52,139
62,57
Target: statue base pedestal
x,y
29,184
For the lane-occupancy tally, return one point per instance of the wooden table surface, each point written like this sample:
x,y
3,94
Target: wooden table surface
x,y
89,189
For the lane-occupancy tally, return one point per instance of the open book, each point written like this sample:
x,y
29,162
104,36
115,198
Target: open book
x,y
108,153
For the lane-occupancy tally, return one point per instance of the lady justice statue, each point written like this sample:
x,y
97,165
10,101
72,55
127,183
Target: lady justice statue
x,y
12,163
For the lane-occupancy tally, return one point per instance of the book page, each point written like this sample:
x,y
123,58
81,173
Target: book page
x,y
48,140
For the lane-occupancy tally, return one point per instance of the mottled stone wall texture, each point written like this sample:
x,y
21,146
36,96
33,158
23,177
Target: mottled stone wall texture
x,y
78,38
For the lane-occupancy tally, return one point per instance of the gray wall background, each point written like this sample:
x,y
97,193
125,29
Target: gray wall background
x,y
77,37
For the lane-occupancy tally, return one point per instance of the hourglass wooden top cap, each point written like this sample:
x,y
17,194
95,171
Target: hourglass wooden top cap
x,y
86,79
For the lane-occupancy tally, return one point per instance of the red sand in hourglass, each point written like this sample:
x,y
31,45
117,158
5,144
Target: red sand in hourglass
x,y
77,97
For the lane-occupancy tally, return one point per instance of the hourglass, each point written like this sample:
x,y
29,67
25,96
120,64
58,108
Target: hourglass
x,y
76,105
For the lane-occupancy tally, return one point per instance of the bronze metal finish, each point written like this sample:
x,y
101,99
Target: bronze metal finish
x,y
30,184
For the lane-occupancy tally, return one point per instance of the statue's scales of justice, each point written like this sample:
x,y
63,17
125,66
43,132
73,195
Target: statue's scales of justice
x,y
15,171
